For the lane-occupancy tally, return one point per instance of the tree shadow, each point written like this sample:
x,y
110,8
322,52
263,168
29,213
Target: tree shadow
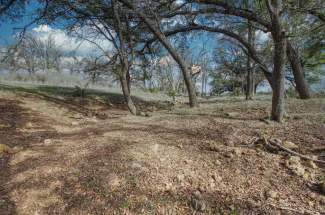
x,y
13,119
67,97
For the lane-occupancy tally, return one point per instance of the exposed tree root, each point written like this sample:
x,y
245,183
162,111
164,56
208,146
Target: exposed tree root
x,y
272,143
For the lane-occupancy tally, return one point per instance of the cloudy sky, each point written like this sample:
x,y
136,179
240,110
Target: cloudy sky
x,y
68,43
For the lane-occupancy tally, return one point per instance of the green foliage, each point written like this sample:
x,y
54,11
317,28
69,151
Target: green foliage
x,y
172,93
291,92
236,91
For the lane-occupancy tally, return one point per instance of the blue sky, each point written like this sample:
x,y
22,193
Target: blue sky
x,y
9,28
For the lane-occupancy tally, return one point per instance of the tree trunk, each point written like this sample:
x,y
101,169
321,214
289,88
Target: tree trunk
x,y
278,76
127,96
249,77
278,80
298,73
185,70
128,79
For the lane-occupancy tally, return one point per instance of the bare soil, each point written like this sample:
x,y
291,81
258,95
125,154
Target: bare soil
x,y
83,156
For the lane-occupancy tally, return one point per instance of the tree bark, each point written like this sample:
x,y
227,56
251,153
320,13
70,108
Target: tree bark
x,y
298,73
125,66
249,77
127,95
278,76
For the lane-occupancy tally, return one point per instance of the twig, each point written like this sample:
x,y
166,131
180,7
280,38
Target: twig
x,y
293,210
251,142
293,152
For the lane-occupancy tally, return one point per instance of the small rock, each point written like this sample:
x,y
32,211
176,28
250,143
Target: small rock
x,y
29,125
180,177
216,177
233,114
290,145
271,194
16,149
237,151
147,114
169,186
75,123
312,165
197,194
5,149
214,148
312,196
217,162
294,159
136,166
47,141
186,161
197,202
229,155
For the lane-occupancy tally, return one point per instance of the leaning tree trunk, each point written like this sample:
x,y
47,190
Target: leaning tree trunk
x,y
185,70
127,95
298,73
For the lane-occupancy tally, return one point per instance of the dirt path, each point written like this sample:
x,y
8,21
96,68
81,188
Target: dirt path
x,y
71,164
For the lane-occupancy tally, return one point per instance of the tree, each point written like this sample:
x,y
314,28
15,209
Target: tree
x,y
154,28
105,21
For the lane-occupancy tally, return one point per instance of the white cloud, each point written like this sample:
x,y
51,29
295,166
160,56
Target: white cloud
x,y
262,37
69,43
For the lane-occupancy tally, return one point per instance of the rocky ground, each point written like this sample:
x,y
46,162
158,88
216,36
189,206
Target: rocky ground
x,y
66,155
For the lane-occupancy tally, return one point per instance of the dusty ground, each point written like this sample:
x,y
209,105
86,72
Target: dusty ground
x,y
69,159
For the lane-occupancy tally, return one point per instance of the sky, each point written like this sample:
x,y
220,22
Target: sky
x,y
9,28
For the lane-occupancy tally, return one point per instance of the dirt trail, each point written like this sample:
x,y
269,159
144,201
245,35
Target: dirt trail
x,y
68,163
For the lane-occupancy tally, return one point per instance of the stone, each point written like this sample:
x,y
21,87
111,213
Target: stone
x,y
294,159
47,141
290,145
16,149
29,125
271,194
312,165
216,177
4,149
180,177
136,165
296,167
233,114
229,155
147,114
197,202
75,123
237,151
217,162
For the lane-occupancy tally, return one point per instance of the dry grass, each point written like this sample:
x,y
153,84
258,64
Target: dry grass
x,y
72,163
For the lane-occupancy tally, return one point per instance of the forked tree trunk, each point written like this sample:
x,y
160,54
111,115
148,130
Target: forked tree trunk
x,y
298,72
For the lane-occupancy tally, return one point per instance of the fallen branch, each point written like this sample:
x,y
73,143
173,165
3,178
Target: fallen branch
x,y
275,143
